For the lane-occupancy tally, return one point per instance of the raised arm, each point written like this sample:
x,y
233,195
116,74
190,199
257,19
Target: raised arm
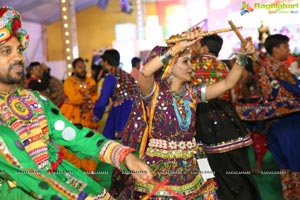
x,y
146,82
217,89
147,74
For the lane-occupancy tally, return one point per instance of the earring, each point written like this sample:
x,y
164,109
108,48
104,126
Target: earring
x,y
171,77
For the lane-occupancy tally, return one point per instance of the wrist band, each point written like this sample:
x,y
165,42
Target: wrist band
x,y
165,58
241,60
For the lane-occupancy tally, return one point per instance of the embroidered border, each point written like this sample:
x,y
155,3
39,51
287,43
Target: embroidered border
x,y
114,153
228,146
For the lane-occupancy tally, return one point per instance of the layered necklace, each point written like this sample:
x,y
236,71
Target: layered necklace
x,y
177,96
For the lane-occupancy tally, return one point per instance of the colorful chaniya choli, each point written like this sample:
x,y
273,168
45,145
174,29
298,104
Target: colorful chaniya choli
x,y
280,93
32,167
126,88
217,115
208,70
222,134
121,89
169,148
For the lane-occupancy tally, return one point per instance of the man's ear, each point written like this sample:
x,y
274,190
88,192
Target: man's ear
x,y
204,49
275,50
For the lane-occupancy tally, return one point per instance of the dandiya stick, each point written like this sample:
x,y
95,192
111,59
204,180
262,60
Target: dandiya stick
x,y
243,41
176,38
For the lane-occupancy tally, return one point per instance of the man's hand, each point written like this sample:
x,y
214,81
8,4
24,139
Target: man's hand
x,y
85,107
93,89
139,170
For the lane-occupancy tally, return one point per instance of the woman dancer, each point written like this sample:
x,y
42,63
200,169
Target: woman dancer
x,y
164,131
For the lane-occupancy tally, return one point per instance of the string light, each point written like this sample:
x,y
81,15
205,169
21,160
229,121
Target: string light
x,y
69,30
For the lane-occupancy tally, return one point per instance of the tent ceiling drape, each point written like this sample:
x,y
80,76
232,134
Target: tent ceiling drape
x,y
43,11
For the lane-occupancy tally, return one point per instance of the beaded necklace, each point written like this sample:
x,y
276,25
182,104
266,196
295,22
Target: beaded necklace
x,y
184,124
180,94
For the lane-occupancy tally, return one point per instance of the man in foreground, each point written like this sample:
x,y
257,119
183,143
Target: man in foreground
x,y
31,126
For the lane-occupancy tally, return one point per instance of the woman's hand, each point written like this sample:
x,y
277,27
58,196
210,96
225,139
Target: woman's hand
x,y
249,47
191,38
139,170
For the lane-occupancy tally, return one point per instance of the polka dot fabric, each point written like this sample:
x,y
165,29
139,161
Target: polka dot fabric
x,y
37,180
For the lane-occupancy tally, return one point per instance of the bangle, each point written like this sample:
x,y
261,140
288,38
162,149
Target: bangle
x,y
165,58
241,60
203,92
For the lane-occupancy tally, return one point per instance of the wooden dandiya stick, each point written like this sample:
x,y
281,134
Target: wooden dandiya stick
x,y
162,185
196,25
243,41
176,38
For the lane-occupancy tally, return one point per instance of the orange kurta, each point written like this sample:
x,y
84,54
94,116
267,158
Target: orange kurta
x,y
77,94
78,108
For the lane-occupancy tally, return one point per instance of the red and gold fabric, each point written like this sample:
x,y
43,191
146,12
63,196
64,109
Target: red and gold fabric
x,y
207,69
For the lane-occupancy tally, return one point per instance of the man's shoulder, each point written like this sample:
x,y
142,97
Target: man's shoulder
x,y
25,91
29,92
224,63
110,76
70,79
134,70
54,78
90,81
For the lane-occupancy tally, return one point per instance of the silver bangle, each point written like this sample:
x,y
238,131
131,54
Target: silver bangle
x,y
165,58
203,92
151,93
241,60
